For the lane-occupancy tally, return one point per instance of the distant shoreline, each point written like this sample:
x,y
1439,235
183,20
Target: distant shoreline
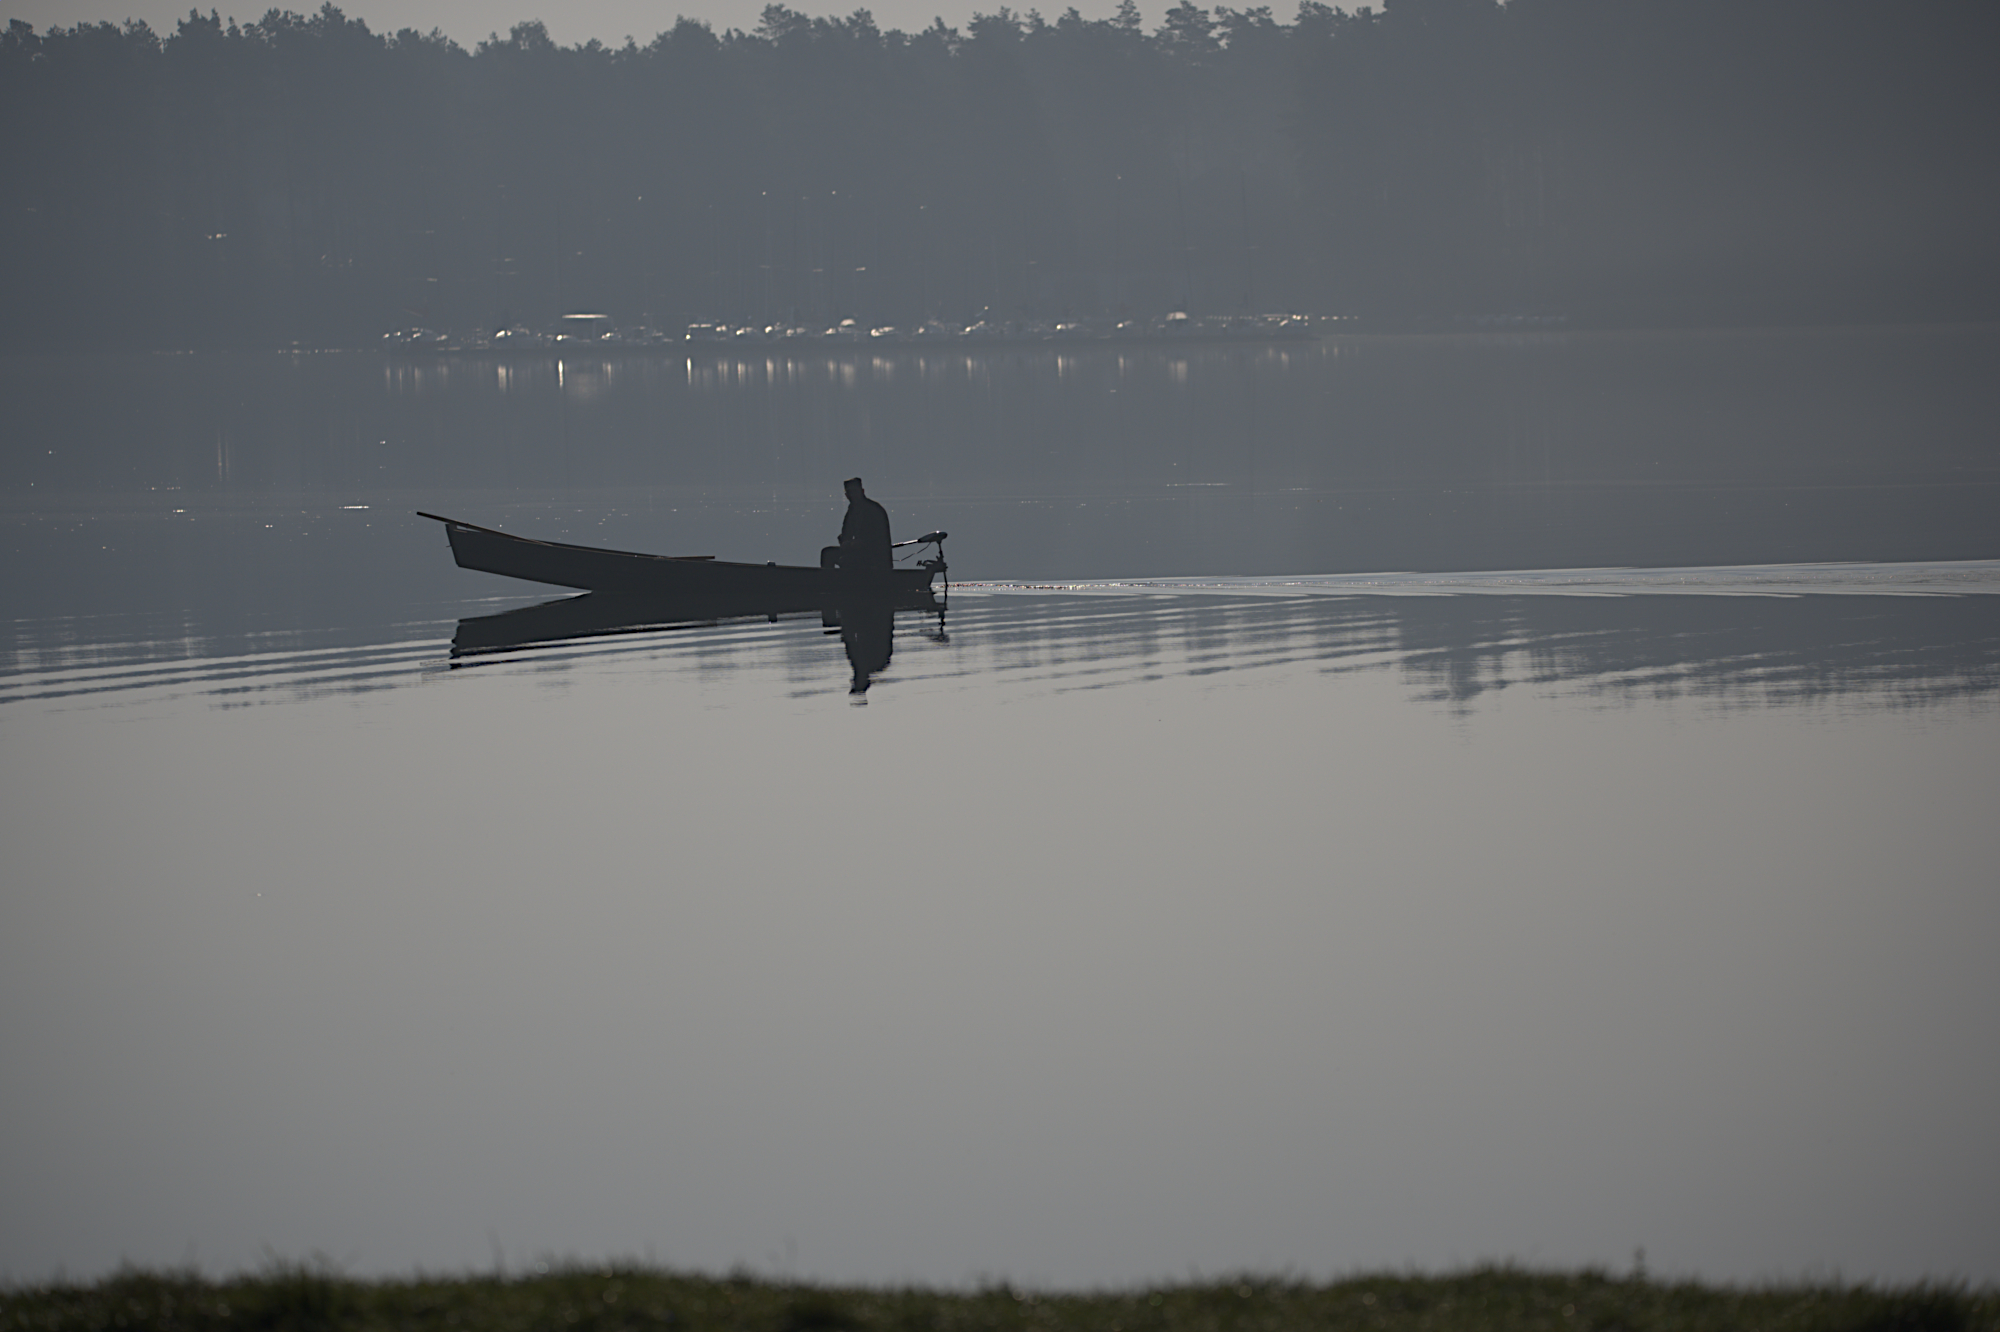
x,y
620,1296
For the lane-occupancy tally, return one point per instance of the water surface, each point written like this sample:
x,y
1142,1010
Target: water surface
x,y
1558,861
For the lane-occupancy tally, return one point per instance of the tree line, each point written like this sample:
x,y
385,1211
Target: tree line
x,y
304,179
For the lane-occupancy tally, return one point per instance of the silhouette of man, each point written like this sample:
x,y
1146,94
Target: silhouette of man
x,y
864,533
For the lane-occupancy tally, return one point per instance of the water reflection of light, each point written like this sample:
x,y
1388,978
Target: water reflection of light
x,y
1177,370
585,381
883,367
503,377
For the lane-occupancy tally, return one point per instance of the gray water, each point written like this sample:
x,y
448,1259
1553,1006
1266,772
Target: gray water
x,y
1393,802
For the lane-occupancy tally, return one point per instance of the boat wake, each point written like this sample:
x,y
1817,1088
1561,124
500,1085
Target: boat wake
x,y
1929,633
1942,578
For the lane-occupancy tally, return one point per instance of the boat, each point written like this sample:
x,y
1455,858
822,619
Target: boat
x,y
687,578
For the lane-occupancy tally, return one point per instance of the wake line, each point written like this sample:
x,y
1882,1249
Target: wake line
x,y
1913,578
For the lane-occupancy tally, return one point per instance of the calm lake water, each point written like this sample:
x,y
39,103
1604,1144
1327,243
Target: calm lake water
x,y
1253,869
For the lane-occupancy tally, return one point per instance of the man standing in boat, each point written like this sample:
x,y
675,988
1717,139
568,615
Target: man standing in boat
x,y
864,533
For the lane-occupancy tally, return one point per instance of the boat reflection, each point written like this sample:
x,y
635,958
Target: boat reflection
x,y
1937,641
865,623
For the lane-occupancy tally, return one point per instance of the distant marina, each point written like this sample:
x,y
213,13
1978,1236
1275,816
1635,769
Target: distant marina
x,y
598,333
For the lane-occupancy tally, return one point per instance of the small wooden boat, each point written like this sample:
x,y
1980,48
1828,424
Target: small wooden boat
x,y
680,576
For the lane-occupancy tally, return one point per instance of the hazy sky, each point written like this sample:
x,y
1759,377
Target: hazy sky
x,y
569,21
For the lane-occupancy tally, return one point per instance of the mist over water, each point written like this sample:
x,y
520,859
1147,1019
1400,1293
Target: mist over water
x,y
1378,802
1345,455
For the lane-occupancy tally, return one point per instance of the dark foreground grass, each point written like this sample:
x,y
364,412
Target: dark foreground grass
x,y
612,1299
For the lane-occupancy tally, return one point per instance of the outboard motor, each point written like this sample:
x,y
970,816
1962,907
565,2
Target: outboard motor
x,y
937,567
936,562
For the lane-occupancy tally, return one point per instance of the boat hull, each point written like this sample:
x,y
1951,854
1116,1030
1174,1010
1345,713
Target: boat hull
x,y
628,573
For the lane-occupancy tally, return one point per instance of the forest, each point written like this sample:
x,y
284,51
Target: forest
x,y
303,180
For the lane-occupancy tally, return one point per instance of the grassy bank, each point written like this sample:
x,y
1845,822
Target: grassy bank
x,y
584,1299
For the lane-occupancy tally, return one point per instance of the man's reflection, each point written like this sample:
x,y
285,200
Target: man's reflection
x,y
867,629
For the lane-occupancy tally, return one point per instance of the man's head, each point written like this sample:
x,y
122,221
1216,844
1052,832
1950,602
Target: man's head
x,y
852,485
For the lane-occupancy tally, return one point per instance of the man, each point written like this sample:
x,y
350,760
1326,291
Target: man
x,y
864,533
